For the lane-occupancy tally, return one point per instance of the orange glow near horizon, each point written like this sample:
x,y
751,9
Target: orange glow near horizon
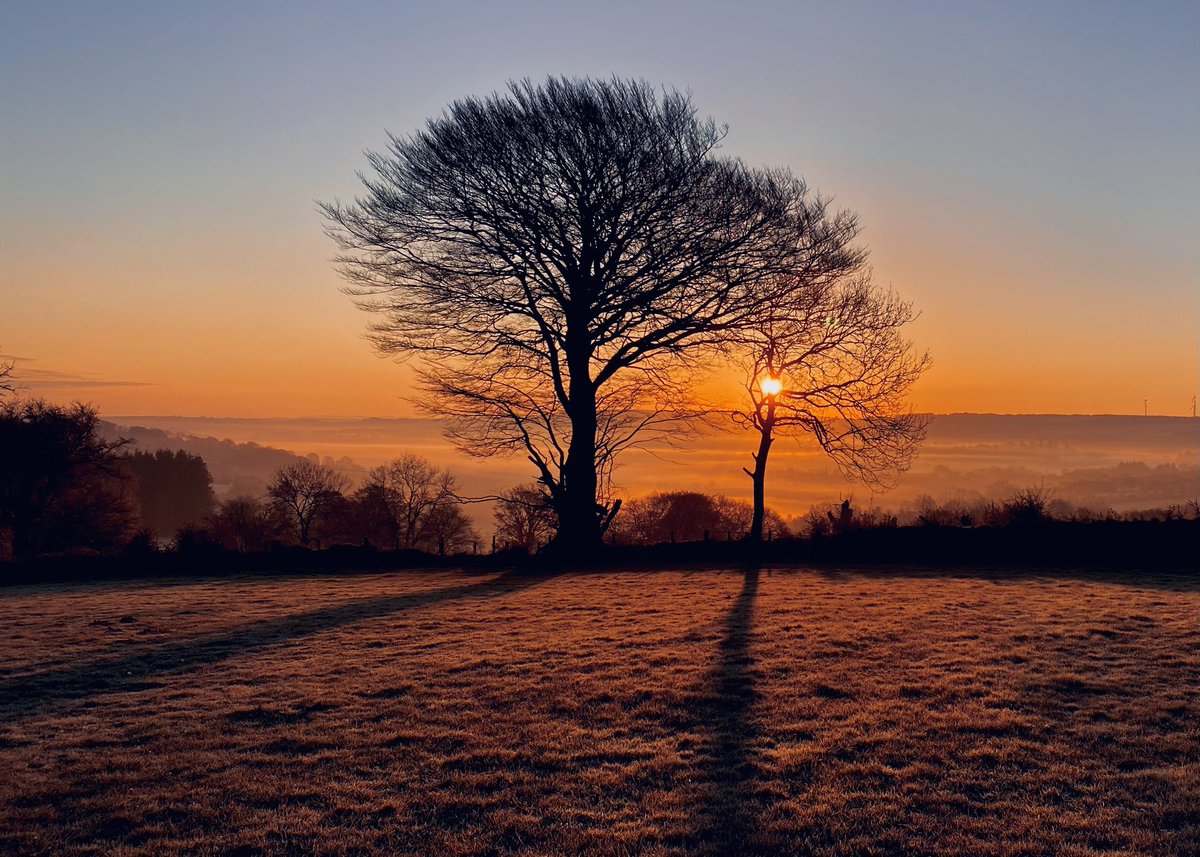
x,y
343,378
248,332
1043,224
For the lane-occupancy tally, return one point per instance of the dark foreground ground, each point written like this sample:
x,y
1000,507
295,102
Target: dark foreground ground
x,y
713,712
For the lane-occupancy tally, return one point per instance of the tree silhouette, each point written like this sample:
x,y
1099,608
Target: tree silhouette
x,y
447,530
524,518
246,524
556,253
62,486
7,383
306,491
831,362
174,488
408,500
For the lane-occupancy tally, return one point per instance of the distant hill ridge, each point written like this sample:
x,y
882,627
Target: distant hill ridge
x,y
1123,429
1120,430
1083,459
237,468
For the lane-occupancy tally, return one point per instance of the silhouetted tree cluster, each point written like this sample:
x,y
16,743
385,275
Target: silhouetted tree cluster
x,y
244,469
1189,511
557,254
1024,507
406,503
685,516
409,503
62,487
525,519
306,492
173,489
245,525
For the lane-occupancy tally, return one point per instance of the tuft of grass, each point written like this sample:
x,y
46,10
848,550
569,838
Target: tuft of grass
x,y
667,713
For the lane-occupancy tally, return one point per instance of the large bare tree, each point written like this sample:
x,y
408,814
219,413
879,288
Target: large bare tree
x,y
555,253
832,362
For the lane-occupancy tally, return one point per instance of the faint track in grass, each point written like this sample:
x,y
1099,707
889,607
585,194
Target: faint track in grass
x,y
41,692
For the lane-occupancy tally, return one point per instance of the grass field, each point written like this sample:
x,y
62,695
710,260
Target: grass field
x,y
712,712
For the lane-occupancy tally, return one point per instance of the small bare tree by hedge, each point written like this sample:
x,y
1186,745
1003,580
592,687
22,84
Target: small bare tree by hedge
x,y
246,524
415,505
307,491
524,518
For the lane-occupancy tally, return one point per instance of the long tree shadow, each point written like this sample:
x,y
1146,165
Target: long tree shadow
x,y
30,695
726,822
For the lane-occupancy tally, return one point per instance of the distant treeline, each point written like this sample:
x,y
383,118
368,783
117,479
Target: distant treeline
x,y
173,489
68,489
1097,463
237,469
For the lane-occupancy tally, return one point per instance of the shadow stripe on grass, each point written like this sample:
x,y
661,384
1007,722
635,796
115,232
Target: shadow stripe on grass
x,y
30,695
727,822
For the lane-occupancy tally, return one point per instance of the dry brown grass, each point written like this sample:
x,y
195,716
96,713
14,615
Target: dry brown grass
x,y
615,713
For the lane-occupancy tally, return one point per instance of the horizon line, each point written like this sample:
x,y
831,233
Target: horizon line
x,y
329,418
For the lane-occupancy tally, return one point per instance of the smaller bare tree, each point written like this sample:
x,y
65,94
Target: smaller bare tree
x,y
447,529
525,518
306,491
832,363
407,494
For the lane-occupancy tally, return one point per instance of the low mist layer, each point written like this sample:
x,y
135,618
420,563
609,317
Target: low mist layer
x,y
1099,462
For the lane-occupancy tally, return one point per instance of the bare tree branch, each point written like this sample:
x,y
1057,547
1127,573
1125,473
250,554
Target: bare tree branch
x,y
7,381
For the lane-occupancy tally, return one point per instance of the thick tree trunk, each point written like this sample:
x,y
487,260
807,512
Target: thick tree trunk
x,y
578,521
759,475
579,530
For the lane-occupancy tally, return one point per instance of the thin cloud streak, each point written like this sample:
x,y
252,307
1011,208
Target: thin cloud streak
x,y
54,379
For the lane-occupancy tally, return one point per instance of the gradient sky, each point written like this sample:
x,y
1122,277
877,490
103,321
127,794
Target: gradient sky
x,y
1027,173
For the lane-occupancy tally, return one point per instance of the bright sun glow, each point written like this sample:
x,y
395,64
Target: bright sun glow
x,y
771,386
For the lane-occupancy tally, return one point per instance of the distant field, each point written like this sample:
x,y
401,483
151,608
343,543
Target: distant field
x,y
616,713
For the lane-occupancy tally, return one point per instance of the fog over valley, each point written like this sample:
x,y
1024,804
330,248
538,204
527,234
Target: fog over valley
x,y
1098,462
